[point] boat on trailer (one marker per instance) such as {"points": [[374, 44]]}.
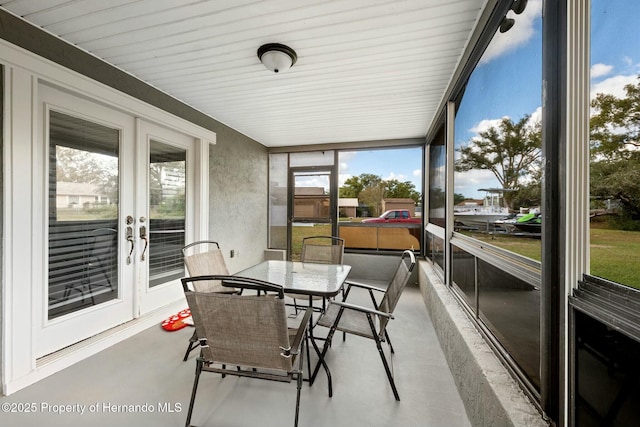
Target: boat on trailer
{"points": [[475, 215]]}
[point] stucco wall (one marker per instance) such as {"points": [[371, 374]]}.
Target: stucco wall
{"points": [[490, 394], [238, 171]]}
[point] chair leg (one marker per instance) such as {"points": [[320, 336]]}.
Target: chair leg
{"points": [[384, 359], [193, 343], [306, 338], [189, 348], [386, 336], [299, 382], [325, 348], [388, 370], [193, 392]]}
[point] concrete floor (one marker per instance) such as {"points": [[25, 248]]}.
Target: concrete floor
{"points": [[147, 372]]}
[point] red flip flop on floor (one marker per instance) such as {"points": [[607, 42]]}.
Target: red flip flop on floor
{"points": [[177, 321]]}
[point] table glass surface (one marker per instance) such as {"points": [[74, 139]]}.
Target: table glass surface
{"points": [[300, 277]]}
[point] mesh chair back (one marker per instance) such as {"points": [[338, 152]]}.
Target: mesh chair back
{"points": [[322, 250], [395, 288], [242, 330], [206, 263]]}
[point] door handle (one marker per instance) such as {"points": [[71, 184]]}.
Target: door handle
{"points": [[143, 236], [132, 243]]}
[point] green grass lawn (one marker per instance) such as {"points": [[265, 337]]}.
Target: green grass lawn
{"points": [[298, 233], [615, 254]]}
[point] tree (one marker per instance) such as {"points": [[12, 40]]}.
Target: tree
{"points": [[615, 145], [458, 198], [354, 185], [615, 124], [618, 180], [371, 189], [372, 196], [511, 151], [401, 190], [80, 166]]}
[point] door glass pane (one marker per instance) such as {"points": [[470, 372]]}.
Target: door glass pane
{"points": [[278, 201], [167, 201], [83, 214], [311, 195], [311, 207]]}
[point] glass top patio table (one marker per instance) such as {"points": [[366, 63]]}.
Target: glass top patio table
{"points": [[324, 280]]}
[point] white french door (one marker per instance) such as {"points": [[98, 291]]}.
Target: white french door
{"points": [[119, 206], [166, 177]]}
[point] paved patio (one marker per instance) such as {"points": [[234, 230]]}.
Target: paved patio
{"points": [[143, 381]]}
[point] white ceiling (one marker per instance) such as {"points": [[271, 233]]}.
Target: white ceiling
{"points": [[367, 69]]}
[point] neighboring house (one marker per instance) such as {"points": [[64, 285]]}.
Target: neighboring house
{"points": [[348, 207], [78, 194], [311, 202], [391, 204]]}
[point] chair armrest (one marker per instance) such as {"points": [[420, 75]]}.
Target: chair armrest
{"points": [[362, 309], [304, 324], [364, 286]]}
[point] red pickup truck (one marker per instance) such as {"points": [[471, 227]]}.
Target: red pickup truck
{"points": [[395, 215]]}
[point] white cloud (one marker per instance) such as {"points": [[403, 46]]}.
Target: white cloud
{"points": [[342, 178], [518, 35], [599, 70], [613, 85], [312, 181], [468, 183], [393, 175], [346, 156], [486, 124], [417, 173], [536, 116]]}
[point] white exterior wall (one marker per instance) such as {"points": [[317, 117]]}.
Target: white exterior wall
{"points": [[237, 160]]}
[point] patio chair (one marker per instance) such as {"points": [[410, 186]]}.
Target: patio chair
{"points": [[246, 332], [208, 262], [365, 321], [320, 250], [99, 266], [204, 263]]}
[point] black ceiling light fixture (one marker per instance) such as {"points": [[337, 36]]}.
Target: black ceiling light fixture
{"points": [[506, 24], [518, 6], [277, 57]]}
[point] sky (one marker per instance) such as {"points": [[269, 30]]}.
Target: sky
{"points": [[402, 164], [406, 165], [615, 49], [515, 57], [508, 83]]}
